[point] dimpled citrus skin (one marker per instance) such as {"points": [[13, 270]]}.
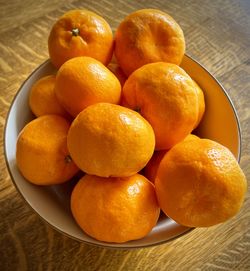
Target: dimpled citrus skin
{"points": [[42, 98], [147, 36], [41, 151], [201, 184], [83, 81], [80, 33], [110, 140], [165, 95], [115, 209], [150, 171]]}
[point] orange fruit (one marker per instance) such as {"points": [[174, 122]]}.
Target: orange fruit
{"points": [[115, 209], [150, 171], [201, 104], [165, 95], [147, 36], [201, 184], [151, 168], [82, 81], [42, 98], [117, 71], [110, 140], [41, 151], [191, 137], [80, 33]]}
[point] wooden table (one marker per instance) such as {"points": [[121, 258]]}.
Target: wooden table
{"points": [[217, 34]]}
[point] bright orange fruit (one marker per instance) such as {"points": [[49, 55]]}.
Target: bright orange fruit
{"points": [[110, 140], [166, 96], [80, 33], [201, 184], [115, 209], [41, 151], [42, 98], [147, 36], [82, 81]]}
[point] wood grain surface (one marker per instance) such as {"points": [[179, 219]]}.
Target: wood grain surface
{"points": [[218, 35]]}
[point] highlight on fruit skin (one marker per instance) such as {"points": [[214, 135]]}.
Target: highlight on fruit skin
{"points": [[80, 33], [147, 36], [201, 184], [115, 209], [42, 156], [110, 140]]}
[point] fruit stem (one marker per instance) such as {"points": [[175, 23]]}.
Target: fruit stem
{"points": [[75, 32], [68, 159]]}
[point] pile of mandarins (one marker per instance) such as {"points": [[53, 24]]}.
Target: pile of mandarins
{"points": [[122, 111]]}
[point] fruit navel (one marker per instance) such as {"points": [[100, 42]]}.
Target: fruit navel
{"points": [[68, 159], [75, 32]]}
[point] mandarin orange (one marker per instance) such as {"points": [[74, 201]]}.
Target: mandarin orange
{"points": [[166, 96], [42, 98], [201, 184], [115, 209], [82, 81], [146, 36], [80, 33], [110, 140], [41, 151]]}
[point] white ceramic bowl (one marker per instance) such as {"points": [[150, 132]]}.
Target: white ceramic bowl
{"points": [[51, 203]]}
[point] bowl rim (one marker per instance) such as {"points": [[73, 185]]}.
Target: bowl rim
{"points": [[109, 245]]}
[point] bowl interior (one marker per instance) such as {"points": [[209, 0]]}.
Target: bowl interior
{"points": [[219, 123]]}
